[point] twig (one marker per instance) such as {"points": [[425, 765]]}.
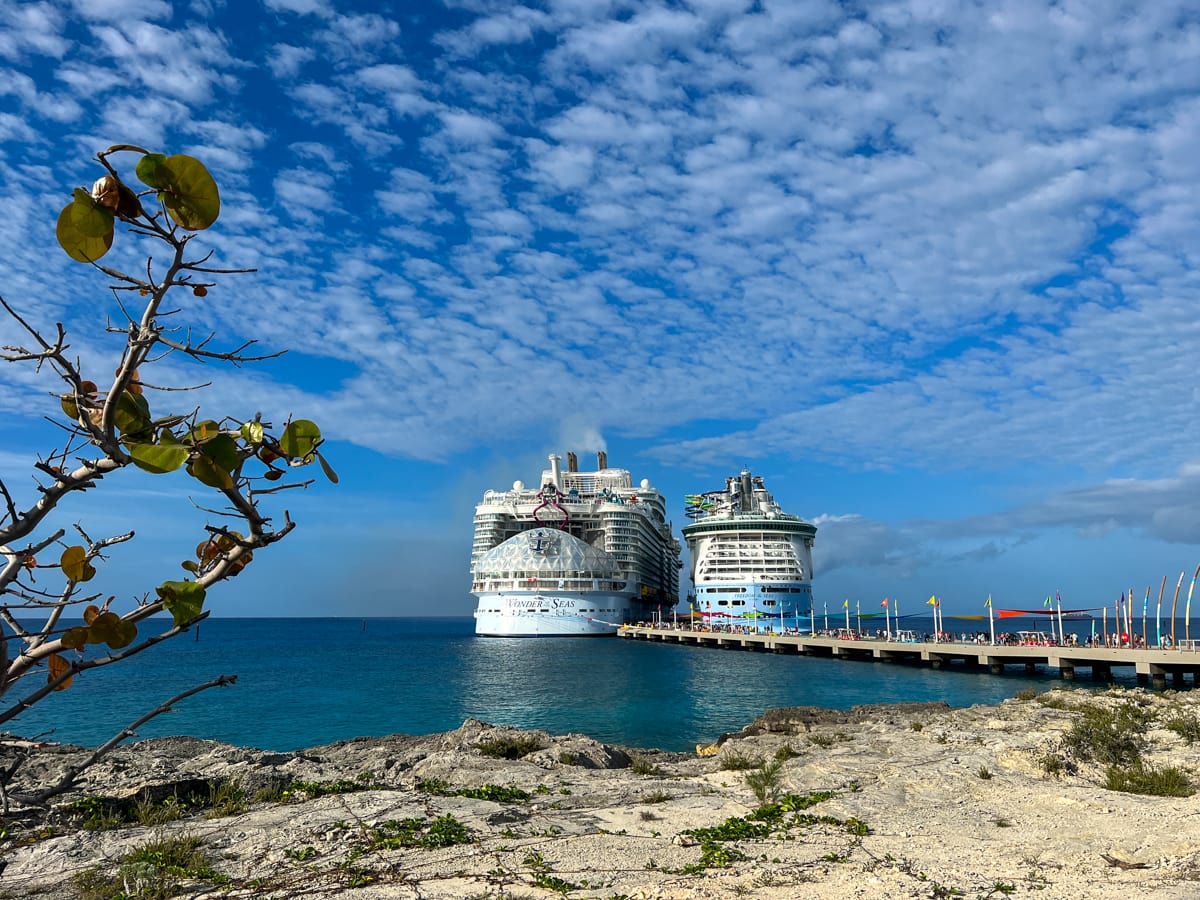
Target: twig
{"points": [[128, 731]]}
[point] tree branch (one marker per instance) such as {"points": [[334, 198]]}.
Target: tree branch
{"points": [[128, 731]]}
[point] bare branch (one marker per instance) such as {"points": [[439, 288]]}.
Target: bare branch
{"points": [[128, 731]]}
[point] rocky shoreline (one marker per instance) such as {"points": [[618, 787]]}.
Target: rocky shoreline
{"points": [[907, 800]]}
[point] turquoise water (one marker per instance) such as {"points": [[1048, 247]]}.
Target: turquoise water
{"points": [[303, 682]]}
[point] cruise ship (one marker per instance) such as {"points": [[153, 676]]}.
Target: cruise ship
{"points": [[751, 561], [579, 555]]}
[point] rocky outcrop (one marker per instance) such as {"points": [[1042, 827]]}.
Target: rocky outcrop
{"points": [[909, 800]]}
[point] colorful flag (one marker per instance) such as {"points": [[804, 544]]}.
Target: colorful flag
{"points": [[1048, 601], [932, 601], [846, 604], [884, 603], [989, 601]]}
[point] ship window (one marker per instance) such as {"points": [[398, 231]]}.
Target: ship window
{"points": [[722, 603]]}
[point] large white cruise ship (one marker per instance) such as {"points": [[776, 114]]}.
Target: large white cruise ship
{"points": [[751, 561], [581, 554]]}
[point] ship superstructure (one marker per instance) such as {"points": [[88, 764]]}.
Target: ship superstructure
{"points": [[751, 561], [580, 554]]}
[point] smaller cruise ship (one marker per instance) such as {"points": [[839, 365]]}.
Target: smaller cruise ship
{"points": [[751, 561]]}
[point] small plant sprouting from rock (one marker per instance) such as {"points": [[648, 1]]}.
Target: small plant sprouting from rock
{"points": [[641, 765], [494, 792], [764, 781], [786, 752], [738, 762], [1187, 726], [984, 773], [153, 870]]}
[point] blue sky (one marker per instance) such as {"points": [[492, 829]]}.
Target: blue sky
{"points": [[930, 268]]}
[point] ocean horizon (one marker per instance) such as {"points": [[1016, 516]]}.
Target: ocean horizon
{"points": [[305, 682]]}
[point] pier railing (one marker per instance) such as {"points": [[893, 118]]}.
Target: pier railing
{"points": [[1151, 664]]}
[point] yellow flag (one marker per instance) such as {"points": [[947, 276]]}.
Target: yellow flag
{"points": [[846, 604], [932, 601], [989, 601]]}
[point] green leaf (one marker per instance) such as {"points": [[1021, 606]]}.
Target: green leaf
{"points": [[185, 188], [299, 439], [222, 450], [205, 470], [252, 433], [158, 459], [85, 229], [203, 431], [148, 170], [75, 638], [123, 635], [326, 467], [132, 416], [184, 600], [75, 565]]}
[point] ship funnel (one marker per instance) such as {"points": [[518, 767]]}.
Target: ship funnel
{"points": [[572, 462], [601, 460], [747, 491], [556, 470]]}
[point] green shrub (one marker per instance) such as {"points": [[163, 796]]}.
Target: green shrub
{"points": [[514, 747], [640, 765], [786, 752], [738, 762], [1025, 694], [1143, 779], [1109, 736], [1187, 726]]}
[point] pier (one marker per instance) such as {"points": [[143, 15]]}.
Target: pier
{"points": [[1152, 665]]}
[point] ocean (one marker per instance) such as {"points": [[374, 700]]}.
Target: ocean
{"points": [[305, 682]]}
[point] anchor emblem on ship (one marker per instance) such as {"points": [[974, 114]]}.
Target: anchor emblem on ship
{"points": [[543, 543]]}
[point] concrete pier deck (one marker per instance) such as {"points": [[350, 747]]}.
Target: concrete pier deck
{"points": [[1152, 665]]}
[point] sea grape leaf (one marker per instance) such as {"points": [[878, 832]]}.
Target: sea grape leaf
{"points": [[148, 168], [58, 667], [185, 188], [91, 613], [132, 416], [205, 470], [326, 467], [223, 450], [299, 438], [156, 458], [75, 638], [184, 600], [126, 632], [111, 629], [70, 407], [84, 229], [252, 433], [203, 431], [215, 461], [75, 565]]}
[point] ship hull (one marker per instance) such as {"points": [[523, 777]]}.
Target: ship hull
{"points": [[557, 614]]}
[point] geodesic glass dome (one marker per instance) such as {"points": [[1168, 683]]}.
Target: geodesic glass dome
{"points": [[546, 552]]}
